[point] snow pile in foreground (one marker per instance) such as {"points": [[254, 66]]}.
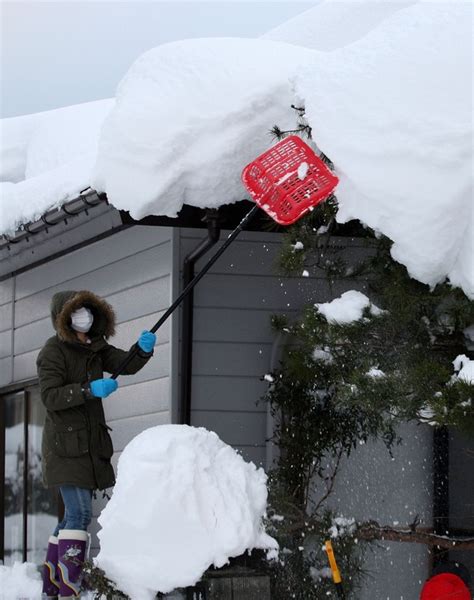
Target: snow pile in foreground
{"points": [[184, 500], [349, 307], [21, 580]]}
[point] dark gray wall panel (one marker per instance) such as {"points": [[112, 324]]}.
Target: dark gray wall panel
{"points": [[232, 325], [266, 292], [213, 358], [255, 454], [234, 428], [461, 464], [228, 393]]}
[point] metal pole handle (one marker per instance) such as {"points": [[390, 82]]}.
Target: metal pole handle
{"points": [[190, 286]]}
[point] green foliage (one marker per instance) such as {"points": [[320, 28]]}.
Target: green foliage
{"points": [[342, 384], [96, 580], [302, 571]]}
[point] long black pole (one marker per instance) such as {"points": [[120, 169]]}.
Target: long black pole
{"points": [[190, 286]]}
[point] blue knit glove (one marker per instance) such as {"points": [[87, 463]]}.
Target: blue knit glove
{"points": [[103, 387], [147, 341]]}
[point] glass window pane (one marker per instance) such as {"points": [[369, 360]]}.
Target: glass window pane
{"points": [[42, 505], [13, 487]]}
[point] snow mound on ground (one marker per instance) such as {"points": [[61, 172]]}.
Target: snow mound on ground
{"points": [[394, 113], [21, 580], [189, 116], [349, 307], [184, 500]]}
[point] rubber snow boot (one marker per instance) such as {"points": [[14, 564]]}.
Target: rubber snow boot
{"points": [[71, 554], [50, 570]]}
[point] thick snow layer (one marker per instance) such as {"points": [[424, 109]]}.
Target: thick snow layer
{"points": [[394, 113], [347, 308], [20, 581], [47, 159], [183, 501], [334, 23], [189, 116], [387, 90]]}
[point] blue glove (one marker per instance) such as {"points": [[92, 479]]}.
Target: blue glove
{"points": [[147, 341], [103, 387]]}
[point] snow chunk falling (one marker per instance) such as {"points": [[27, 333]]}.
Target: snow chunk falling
{"points": [[204, 504], [347, 308]]}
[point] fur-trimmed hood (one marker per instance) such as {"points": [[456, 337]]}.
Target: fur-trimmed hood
{"points": [[63, 304]]}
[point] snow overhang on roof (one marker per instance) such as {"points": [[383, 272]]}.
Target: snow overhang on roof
{"points": [[52, 217]]}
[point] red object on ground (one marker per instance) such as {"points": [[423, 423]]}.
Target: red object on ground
{"points": [[445, 586], [288, 180]]}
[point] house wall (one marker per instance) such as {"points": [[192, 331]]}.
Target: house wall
{"points": [[130, 269], [234, 347]]}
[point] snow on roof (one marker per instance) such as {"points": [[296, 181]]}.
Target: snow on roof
{"points": [[46, 159], [386, 90]]}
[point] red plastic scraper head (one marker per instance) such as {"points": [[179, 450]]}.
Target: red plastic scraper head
{"points": [[288, 180]]}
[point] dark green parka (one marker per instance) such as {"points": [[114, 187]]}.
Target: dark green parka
{"points": [[76, 446]]}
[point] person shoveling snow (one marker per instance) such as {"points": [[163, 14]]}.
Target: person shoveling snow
{"points": [[184, 500]]}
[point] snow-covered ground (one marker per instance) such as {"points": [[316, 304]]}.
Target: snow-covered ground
{"points": [[189, 115]]}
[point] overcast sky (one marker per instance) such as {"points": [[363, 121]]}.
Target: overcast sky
{"points": [[60, 53]]}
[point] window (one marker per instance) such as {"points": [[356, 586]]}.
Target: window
{"points": [[29, 510]]}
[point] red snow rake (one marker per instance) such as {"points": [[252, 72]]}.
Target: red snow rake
{"points": [[286, 181]]}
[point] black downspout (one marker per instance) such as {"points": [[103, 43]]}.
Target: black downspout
{"points": [[186, 360], [440, 489]]}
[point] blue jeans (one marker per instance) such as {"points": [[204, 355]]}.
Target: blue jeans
{"points": [[78, 508]]}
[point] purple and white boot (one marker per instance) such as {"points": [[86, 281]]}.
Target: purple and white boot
{"points": [[71, 554], [50, 570]]}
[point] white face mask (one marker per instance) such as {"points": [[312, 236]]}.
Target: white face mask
{"points": [[82, 319]]}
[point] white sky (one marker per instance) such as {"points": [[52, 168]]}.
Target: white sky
{"points": [[60, 53]]}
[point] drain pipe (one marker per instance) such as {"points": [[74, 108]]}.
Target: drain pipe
{"points": [[187, 314]]}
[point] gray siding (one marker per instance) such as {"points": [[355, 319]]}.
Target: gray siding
{"points": [[132, 270], [234, 345]]}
